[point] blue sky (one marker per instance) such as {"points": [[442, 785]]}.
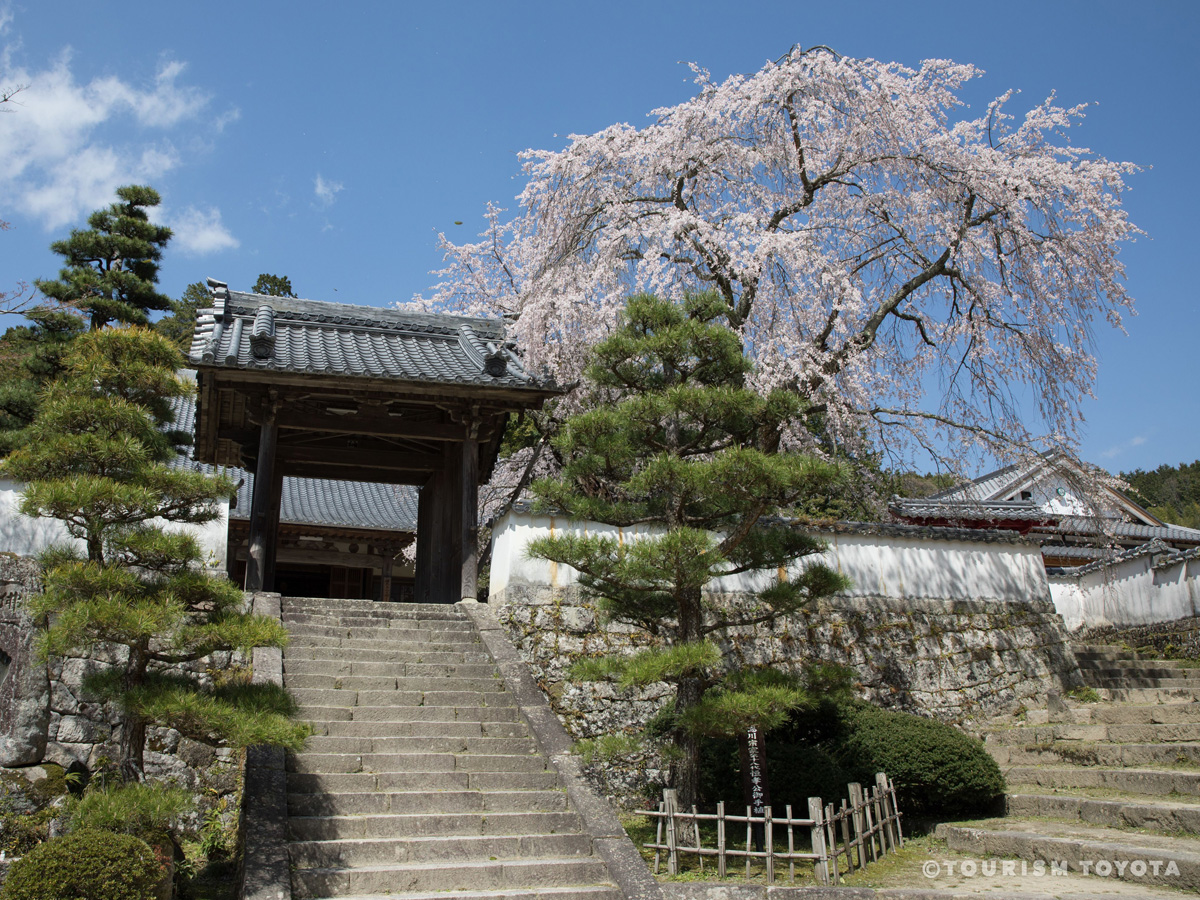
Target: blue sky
{"points": [[332, 143]]}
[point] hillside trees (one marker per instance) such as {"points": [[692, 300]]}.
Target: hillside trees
{"points": [[112, 268], [1170, 492], [273, 285], [921, 275], [676, 447], [99, 459]]}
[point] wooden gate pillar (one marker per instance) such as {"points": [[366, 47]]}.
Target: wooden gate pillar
{"points": [[427, 499], [469, 527], [263, 518]]}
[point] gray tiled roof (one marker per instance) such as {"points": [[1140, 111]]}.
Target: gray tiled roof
{"points": [[882, 529], [250, 331], [1126, 530], [994, 485], [313, 501], [336, 504], [967, 510]]}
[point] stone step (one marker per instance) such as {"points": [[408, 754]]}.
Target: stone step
{"points": [[569, 892], [342, 667], [464, 875], [377, 618], [418, 697], [401, 629], [430, 729], [1139, 714], [1129, 856], [1106, 652], [402, 641], [392, 782], [429, 712], [1134, 734], [1145, 695], [1126, 756], [392, 683], [374, 803], [418, 744], [1116, 813], [1131, 682], [428, 824], [1147, 782], [407, 610], [333, 763], [431, 654], [1146, 668], [409, 850]]}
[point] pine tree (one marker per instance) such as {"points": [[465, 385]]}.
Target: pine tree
{"points": [[273, 286], [99, 460], [112, 268], [31, 356], [181, 324], [676, 442]]}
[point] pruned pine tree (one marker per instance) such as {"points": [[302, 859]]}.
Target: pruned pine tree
{"points": [[111, 269], [676, 443], [98, 460]]}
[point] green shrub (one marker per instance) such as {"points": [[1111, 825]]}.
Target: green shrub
{"points": [[86, 865], [795, 772], [937, 769], [20, 832], [144, 810]]}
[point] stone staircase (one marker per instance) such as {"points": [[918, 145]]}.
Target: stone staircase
{"points": [[1113, 784], [421, 780]]}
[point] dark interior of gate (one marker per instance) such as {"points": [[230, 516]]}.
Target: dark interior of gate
{"points": [[310, 390]]}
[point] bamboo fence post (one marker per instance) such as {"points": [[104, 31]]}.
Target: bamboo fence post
{"points": [[672, 804], [885, 835], [768, 841], [721, 838], [749, 830], [831, 843], [696, 828], [845, 822], [871, 827], [896, 810], [820, 865], [881, 788], [791, 846], [856, 812], [658, 836]]}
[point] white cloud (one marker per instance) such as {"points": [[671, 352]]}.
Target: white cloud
{"points": [[1119, 449], [66, 146], [200, 231], [326, 191]]}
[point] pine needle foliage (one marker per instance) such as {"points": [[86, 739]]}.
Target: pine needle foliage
{"points": [[100, 462], [112, 268], [679, 449]]}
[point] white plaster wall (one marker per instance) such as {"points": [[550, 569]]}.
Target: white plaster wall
{"points": [[878, 565], [21, 534], [1130, 592], [26, 536]]}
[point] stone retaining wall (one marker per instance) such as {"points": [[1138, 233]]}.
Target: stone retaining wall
{"points": [[958, 661], [45, 715]]}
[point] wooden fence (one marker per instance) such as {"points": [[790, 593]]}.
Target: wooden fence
{"points": [[865, 827]]}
